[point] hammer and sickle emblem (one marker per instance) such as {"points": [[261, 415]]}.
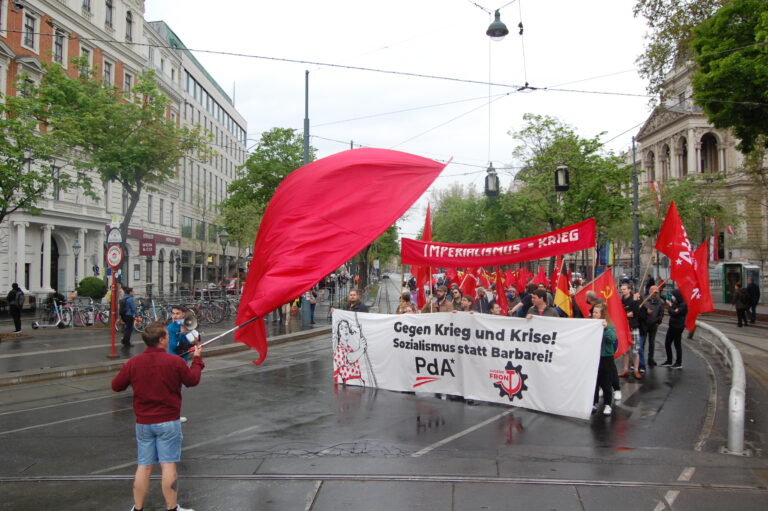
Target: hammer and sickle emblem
{"points": [[607, 292]]}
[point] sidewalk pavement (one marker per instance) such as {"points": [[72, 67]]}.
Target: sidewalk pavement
{"points": [[46, 354]]}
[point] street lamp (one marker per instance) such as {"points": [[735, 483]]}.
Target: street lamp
{"points": [[76, 250], [562, 179], [491, 182], [223, 239], [497, 30]]}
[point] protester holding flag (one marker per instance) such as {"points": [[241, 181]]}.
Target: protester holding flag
{"points": [[607, 366], [678, 310], [631, 307], [526, 302], [651, 315], [440, 303]]}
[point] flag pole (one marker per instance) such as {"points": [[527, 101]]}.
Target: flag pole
{"points": [[191, 350], [647, 269]]}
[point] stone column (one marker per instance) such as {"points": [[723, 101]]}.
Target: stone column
{"points": [[80, 259], [100, 252], [21, 252], [46, 267]]}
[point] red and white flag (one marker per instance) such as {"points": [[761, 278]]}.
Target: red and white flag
{"points": [[702, 301], [605, 288], [674, 243], [316, 221], [729, 230]]}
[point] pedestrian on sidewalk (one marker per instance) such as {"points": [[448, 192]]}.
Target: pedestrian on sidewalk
{"points": [[15, 303], [651, 315], [754, 299], [678, 310], [128, 315], [156, 377], [631, 303], [741, 301]]}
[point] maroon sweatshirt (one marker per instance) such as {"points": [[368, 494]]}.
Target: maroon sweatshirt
{"points": [[156, 377]]}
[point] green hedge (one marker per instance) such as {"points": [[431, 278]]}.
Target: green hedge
{"points": [[93, 287]]}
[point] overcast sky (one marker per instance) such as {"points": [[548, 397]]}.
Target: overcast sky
{"points": [[589, 45]]}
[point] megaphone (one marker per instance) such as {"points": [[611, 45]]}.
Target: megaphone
{"points": [[190, 321]]}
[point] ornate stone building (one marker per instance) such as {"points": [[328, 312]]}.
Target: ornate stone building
{"points": [[678, 141]]}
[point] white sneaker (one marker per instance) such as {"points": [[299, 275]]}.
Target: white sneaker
{"points": [[617, 396], [607, 410], [179, 508], [183, 420]]}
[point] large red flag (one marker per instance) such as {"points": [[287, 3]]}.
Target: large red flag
{"points": [[555, 273], [702, 301], [469, 282], [673, 242], [605, 287], [423, 274], [316, 221]]}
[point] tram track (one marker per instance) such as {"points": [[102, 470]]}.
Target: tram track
{"points": [[529, 481]]}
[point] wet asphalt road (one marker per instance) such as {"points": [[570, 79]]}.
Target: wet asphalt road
{"points": [[282, 436]]}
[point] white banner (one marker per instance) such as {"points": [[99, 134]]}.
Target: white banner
{"points": [[545, 364]]}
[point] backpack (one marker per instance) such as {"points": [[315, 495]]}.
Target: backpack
{"points": [[121, 306]]}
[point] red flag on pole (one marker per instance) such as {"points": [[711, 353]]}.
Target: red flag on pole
{"points": [[701, 301], [423, 273], [469, 282], [673, 242], [605, 288], [541, 277], [316, 221], [501, 295], [555, 273]]}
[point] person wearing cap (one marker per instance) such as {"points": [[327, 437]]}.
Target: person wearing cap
{"points": [[439, 303], [651, 313]]}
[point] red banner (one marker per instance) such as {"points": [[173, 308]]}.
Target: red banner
{"points": [[573, 238]]}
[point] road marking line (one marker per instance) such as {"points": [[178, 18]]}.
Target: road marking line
{"points": [[458, 435], [48, 352], [63, 421], [312, 496], [55, 404], [669, 498]]}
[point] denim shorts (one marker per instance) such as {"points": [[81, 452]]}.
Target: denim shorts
{"points": [[159, 442]]}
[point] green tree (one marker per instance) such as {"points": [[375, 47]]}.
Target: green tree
{"points": [[279, 152], [731, 76], [93, 287], [599, 181], [128, 138], [27, 154], [457, 215], [670, 24]]}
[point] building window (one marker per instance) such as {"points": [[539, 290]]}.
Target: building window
{"points": [[172, 215], [87, 5], [161, 213], [85, 53], [56, 182], [213, 233], [108, 13], [107, 73], [151, 55], [58, 47], [128, 26], [149, 269], [186, 227], [30, 25], [200, 230], [128, 83], [709, 150], [149, 208]]}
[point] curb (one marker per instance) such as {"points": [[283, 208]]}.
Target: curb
{"points": [[54, 373]]}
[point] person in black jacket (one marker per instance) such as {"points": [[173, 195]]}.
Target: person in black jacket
{"points": [[651, 314], [678, 310], [631, 302], [15, 303], [741, 302], [754, 298]]}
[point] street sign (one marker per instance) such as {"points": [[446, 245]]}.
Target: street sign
{"points": [[114, 256], [114, 236]]}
